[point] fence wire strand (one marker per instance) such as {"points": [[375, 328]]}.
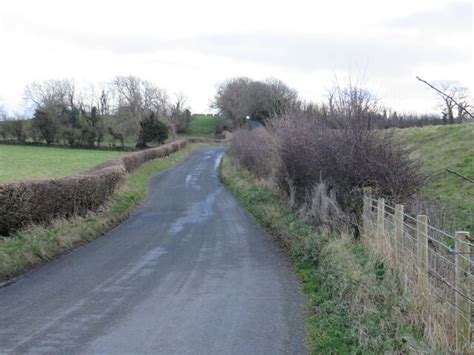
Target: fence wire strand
{"points": [[444, 262]]}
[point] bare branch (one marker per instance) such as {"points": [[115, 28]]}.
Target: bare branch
{"points": [[461, 176], [446, 96]]}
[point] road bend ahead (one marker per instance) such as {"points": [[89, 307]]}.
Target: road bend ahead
{"points": [[189, 273]]}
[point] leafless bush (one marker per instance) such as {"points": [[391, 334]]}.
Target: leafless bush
{"points": [[351, 105], [345, 159], [326, 158], [256, 150]]}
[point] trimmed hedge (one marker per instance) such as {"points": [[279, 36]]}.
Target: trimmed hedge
{"points": [[40, 201]]}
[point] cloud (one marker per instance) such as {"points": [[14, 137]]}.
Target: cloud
{"points": [[300, 45], [382, 55], [454, 17], [386, 54]]}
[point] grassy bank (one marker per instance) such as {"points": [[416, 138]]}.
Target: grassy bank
{"points": [[27, 162], [201, 126], [355, 303], [447, 147], [37, 245]]}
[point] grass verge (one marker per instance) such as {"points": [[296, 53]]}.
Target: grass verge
{"points": [[38, 244], [447, 147], [355, 303]]}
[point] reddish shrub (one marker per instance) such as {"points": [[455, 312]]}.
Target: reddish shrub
{"points": [[346, 159], [256, 150], [39, 201]]}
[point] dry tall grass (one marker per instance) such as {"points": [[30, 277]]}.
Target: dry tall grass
{"points": [[433, 307]]}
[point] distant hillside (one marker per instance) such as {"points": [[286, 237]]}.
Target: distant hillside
{"points": [[447, 147]]}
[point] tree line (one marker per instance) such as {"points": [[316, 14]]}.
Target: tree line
{"points": [[122, 109], [128, 107], [240, 97]]}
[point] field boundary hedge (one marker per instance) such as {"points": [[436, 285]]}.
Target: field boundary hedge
{"points": [[40, 201]]}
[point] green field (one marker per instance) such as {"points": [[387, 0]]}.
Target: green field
{"points": [[447, 147], [29, 162], [202, 126]]}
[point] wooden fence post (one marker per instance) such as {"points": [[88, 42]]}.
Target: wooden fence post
{"points": [[463, 304], [422, 252], [381, 218], [367, 210], [398, 232]]}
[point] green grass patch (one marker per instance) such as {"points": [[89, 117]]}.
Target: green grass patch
{"points": [[354, 301], [202, 126], [28, 162], [452, 147], [38, 244]]}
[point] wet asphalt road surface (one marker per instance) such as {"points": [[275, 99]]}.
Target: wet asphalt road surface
{"points": [[190, 272]]}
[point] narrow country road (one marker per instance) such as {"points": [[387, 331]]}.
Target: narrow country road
{"points": [[190, 272]]}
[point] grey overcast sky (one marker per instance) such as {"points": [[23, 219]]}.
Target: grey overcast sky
{"points": [[191, 46]]}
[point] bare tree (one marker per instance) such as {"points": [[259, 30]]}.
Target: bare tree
{"points": [[96, 95], [18, 127], [232, 100], [4, 126], [87, 96], [51, 94], [352, 105], [129, 96], [180, 101], [129, 92], [281, 97], [240, 97], [56, 104], [136, 98], [180, 117], [104, 103], [454, 94], [3, 113], [155, 99], [454, 98]]}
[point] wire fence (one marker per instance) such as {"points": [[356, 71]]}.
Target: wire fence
{"points": [[436, 266]]}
